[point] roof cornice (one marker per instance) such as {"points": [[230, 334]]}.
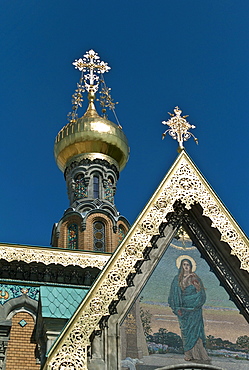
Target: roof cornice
{"points": [[46, 255]]}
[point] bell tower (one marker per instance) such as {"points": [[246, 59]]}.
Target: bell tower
{"points": [[91, 151]]}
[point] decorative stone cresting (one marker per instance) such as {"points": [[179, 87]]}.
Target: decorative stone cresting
{"points": [[48, 256], [184, 183]]}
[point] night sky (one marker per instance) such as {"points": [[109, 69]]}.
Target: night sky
{"points": [[163, 53]]}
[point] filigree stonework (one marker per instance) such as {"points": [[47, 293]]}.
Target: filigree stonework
{"points": [[184, 184], [234, 284], [64, 258]]}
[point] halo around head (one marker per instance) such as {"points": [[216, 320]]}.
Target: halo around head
{"points": [[185, 257]]}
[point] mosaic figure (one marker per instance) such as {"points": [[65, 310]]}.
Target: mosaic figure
{"points": [[186, 298]]}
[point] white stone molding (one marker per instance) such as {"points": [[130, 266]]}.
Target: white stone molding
{"points": [[64, 257]]}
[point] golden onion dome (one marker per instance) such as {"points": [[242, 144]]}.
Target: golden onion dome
{"points": [[91, 136]]}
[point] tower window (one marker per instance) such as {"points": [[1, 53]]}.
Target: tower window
{"points": [[95, 186], [99, 236], [72, 236], [121, 234], [80, 187], [109, 190]]}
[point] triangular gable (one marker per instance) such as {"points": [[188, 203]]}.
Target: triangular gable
{"points": [[183, 183]]}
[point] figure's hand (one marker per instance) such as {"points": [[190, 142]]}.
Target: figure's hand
{"points": [[179, 312]]}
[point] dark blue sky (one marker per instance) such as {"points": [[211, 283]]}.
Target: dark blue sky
{"points": [[163, 53]]}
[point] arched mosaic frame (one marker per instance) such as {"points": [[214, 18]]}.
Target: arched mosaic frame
{"points": [[182, 183]]}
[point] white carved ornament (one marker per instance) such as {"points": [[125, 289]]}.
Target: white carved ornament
{"points": [[91, 64], [47, 256], [182, 183]]}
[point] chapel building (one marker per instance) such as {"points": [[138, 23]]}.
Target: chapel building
{"points": [[82, 303]]}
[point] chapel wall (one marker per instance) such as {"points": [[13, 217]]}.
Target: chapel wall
{"points": [[21, 351]]}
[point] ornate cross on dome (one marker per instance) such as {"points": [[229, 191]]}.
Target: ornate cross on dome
{"points": [[91, 64], [179, 127], [90, 67]]}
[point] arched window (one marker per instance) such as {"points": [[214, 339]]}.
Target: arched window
{"points": [[80, 187], [99, 236], [121, 234], [109, 190], [72, 236], [95, 186]]}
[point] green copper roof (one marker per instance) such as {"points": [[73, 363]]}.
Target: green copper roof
{"points": [[60, 303]]}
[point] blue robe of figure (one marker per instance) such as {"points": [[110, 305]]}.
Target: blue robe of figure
{"points": [[186, 298]]}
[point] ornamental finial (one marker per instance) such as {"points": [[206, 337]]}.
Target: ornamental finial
{"points": [[91, 67], [179, 127]]}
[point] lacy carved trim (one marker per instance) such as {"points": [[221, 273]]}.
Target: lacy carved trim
{"points": [[48, 256], [219, 264], [183, 183]]}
